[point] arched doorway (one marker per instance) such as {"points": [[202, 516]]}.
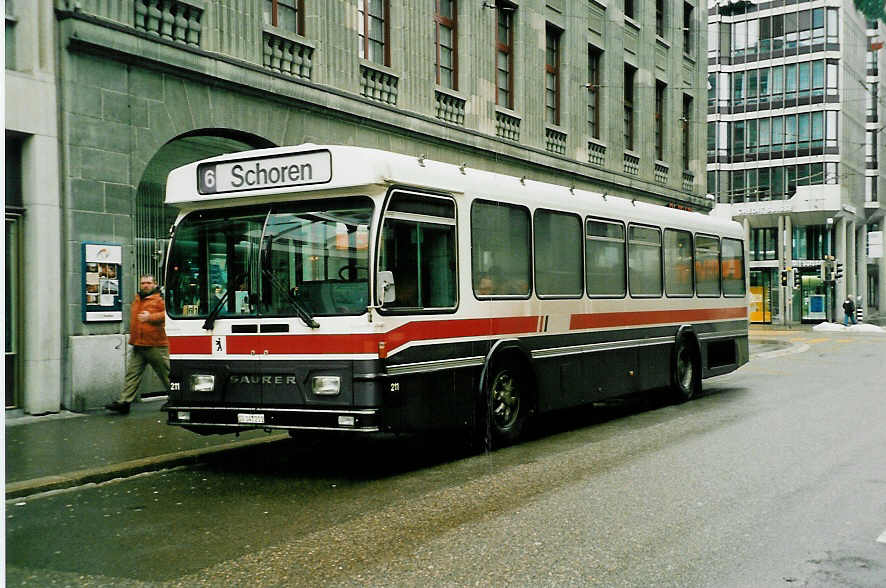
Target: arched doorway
{"points": [[152, 218]]}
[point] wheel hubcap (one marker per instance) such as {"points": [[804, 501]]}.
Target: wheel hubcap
{"points": [[505, 401], [684, 369]]}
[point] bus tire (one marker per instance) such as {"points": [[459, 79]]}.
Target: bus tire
{"points": [[685, 370], [508, 403]]}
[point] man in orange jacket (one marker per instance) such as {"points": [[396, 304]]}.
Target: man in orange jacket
{"points": [[147, 335]]}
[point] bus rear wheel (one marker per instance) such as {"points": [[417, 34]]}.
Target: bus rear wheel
{"points": [[507, 404], [686, 371]]}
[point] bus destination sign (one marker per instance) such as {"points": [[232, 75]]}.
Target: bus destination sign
{"points": [[260, 174]]}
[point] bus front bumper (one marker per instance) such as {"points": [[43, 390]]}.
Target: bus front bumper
{"points": [[222, 419]]}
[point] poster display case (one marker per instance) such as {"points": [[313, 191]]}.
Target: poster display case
{"points": [[102, 275]]}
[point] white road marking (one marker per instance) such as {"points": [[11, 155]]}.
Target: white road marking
{"points": [[882, 538], [802, 348]]}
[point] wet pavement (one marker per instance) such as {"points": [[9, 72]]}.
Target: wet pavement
{"points": [[69, 449], [773, 476]]}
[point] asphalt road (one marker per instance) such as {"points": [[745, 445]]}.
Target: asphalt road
{"points": [[776, 476]]}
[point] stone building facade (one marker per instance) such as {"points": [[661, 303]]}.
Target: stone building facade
{"points": [[604, 96]]}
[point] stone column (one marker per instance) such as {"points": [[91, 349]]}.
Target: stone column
{"points": [[746, 225], [779, 254], [43, 277], [788, 293], [861, 265], [840, 287], [881, 284], [850, 259]]}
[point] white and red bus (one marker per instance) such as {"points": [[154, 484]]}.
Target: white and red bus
{"points": [[343, 288]]}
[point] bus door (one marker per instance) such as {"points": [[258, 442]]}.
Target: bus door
{"points": [[234, 265], [418, 251], [212, 278]]}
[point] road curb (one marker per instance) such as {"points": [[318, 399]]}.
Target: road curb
{"points": [[791, 349], [126, 468]]}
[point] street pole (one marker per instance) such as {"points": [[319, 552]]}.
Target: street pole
{"points": [[830, 287]]}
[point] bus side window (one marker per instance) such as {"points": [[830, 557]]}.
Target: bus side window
{"points": [[558, 263], [500, 246], [707, 265], [678, 262], [732, 267], [418, 247], [605, 255], [644, 261]]}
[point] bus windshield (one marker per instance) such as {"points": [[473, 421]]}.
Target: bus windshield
{"points": [[301, 259]]}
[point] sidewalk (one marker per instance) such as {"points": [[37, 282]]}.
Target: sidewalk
{"points": [[69, 449]]}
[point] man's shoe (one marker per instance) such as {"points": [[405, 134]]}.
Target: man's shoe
{"points": [[120, 407]]}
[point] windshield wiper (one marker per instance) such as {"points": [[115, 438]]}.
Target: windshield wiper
{"points": [[216, 310], [300, 310]]}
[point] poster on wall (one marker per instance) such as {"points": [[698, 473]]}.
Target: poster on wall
{"points": [[101, 270], [816, 307]]}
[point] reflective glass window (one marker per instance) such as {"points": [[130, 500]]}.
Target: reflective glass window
{"points": [[678, 262], [605, 258], [707, 265], [500, 246], [732, 267], [558, 255], [644, 274]]}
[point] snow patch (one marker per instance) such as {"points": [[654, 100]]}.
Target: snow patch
{"points": [[866, 328], [837, 327]]}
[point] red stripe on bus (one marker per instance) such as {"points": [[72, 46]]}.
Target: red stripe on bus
{"points": [[653, 317], [190, 345], [453, 329], [367, 343], [356, 343], [303, 344]]}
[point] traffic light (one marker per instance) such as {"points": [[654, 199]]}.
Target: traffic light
{"points": [[838, 271], [826, 272], [784, 277], [797, 282]]}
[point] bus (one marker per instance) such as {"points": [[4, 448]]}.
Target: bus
{"points": [[338, 288]]}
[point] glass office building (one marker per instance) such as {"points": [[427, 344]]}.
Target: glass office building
{"points": [[792, 148]]}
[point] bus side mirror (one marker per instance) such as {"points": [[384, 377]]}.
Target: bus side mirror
{"points": [[385, 285]]}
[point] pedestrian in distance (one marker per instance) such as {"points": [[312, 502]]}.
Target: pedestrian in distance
{"points": [[848, 312], [147, 338]]}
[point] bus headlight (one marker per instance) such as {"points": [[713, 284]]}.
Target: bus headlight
{"points": [[202, 382], [326, 385]]}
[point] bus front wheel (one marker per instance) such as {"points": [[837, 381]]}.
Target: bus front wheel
{"points": [[686, 371]]}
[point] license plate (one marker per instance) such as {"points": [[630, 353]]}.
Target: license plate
{"points": [[250, 418]]}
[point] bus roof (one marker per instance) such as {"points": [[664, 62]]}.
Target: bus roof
{"points": [[309, 168]]}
